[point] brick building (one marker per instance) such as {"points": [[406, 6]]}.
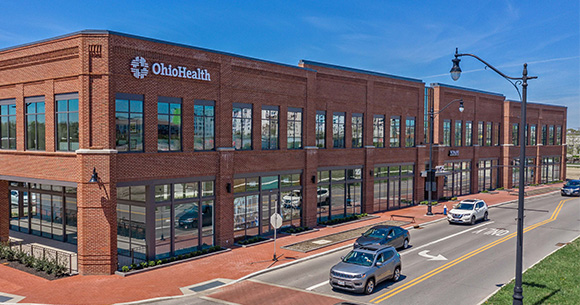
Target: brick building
{"points": [[192, 147]]}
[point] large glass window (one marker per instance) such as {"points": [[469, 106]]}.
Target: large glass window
{"points": [[321, 129], [558, 135], [357, 130], [488, 178], [458, 182], [339, 193], [129, 121], [395, 131], [468, 133], [410, 132], [488, 134], [393, 187], [551, 135], [8, 124], [379, 131], [533, 135], [270, 126], [515, 134], [544, 135], [242, 126], [447, 132], [35, 123], [169, 124], [338, 126], [498, 134], [67, 116], [294, 128], [550, 169], [204, 125], [458, 133]]}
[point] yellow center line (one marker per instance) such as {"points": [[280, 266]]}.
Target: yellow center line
{"points": [[464, 257]]}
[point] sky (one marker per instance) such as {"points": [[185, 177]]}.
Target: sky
{"points": [[415, 39]]}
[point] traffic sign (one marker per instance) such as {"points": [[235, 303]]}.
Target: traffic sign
{"points": [[276, 220]]}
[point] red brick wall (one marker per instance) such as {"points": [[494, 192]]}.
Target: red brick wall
{"points": [[4, 211]]}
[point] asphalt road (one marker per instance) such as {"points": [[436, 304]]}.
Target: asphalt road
{"points": [[479, 258]]}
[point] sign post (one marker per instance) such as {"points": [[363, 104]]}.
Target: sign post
{"points": [[276, 222]]}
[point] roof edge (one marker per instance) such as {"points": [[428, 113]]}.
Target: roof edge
{"points": [[465, 89], [314, 63]]}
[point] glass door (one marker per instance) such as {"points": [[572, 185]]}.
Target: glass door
{"points": [[270, 205]]}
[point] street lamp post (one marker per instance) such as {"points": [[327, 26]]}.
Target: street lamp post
{"points": [[523, 81], [431, 172]]}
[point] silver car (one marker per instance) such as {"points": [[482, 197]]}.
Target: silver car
{"points": [[363, 268]]}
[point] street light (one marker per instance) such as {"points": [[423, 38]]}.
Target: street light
{"points": [[431, 172], [523, 81]]}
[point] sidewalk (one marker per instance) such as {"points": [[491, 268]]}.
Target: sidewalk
{"points": [[232, 265]]}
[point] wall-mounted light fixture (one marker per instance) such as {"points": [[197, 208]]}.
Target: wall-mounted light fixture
{"points": [[229, 187], [313, 179], [94, 177]]}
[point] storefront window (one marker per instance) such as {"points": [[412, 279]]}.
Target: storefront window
{"points": [[458, 182], [339, 193]]}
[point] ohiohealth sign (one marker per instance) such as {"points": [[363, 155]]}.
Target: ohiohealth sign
{"points": [[140, 68]]}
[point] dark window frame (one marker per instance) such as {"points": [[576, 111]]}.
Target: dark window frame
{"points": [[70, 97]]}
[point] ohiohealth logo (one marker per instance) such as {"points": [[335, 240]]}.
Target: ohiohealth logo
{"points": [[139, 67]]}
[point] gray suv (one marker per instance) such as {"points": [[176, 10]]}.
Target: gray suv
{"points": [[363, 268]]}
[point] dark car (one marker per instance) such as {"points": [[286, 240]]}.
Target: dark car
{"points": [[189, 218], [384, 235], [571, 188]]}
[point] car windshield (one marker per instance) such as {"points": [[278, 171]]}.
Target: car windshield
{"points": [[572, 184], [464, 206], [376, 233], [359, 258]]}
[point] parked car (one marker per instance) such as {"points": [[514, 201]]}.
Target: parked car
{"points": [[571, 188], [189, 218], [384, 235], [323, 197], [292, 200], [363, 268], [468, 211]]}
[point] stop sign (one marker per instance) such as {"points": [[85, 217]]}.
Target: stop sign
{"points": [[276, 220]]}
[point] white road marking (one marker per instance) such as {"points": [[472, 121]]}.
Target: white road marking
{"points": [[444, 238], [432, 257], [316, 286], [322, 241]]}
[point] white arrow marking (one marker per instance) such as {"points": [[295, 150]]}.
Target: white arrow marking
{"points": [[431, 257]]}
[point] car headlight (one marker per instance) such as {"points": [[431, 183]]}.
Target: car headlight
{"points": [[360, 276]]}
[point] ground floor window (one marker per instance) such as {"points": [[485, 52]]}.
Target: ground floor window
{"points": [[488, 175], [339, 193], [458, 181], [393, 187], [550, 169], [257, 198], [44, 210], [530, 170]]}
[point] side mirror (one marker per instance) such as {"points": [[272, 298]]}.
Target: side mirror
{"points": [[378, 264], [342, 258]]}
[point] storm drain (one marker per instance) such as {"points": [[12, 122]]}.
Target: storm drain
{"points": [[207, 286]]}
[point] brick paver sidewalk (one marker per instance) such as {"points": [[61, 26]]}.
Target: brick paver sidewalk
{"points": [[229, 265]]}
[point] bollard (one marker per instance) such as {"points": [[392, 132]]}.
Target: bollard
{"points": [[444, 210]]}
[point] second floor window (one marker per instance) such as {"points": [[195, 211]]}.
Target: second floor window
{"points": [[515, 134], [533, 135], [458, 133], [338, 129], [35, 123], [551, 135], [447, 133], [526, 134], [395, 131], [129, 121], [468, 133], [67, 120], [544, 135], [242, 126], [294, 128], [204, 125], [480, 133], [270, 123], [498, 134], [169, 124], [321, 129], [488, 135], [558, 135], [8, 124], [357, 130], [379, 131], [410, 132]]}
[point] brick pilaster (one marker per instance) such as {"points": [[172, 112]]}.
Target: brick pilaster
{"points": [[4, 211]]}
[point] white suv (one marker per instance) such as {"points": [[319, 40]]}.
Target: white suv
{"points": [[468, 211]]}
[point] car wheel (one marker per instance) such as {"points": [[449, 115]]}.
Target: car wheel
{"points": [[406, 244], [472, 220], [485, 217], [396, 274], [370, 286]]}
